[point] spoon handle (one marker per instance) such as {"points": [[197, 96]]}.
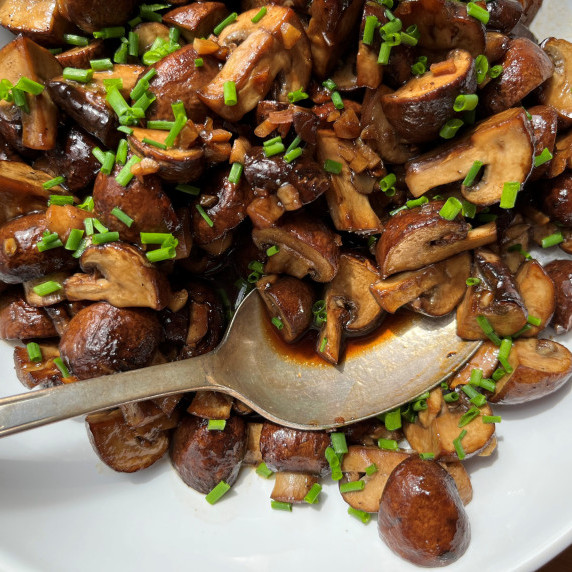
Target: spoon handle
{"points": [[37, 408]]}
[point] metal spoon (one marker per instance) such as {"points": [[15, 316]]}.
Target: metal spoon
{"points": [[410, 358]]}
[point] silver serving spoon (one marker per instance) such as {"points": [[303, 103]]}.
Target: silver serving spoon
{"points": [[411, 356]]}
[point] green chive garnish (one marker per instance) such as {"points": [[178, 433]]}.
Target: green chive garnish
{"points": [[331, 166], [58, 362], [371, 23], [125, 175], [371, 469], [466, 102], [74, 239], [227, 21], [34, 352], [427, 456], [264, 471], [509, 193], [74, 40], [313, 494], [205, 216], [389, 444], [47, 288], [485, 325], [217, 493], [451, 208], [277, 322], [473, 281], [458, 446], [365, 517], [392, 419], [472, 174], [449, 130], [261, 13], [54, 182], [235, 173], [79, 75], [339, 443], [552, 240], [104, 64], [352, 486], [543, 158], [491, 418], [477, 12], [277, 505], [216, 424]]}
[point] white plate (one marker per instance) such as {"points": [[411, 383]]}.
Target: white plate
{"points": [[62, 510]]}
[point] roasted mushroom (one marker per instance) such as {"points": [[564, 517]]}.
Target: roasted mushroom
{"points": [[560, 271], [556, 90]]}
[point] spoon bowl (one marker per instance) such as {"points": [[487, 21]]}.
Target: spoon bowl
{"points": [[408, 358]]}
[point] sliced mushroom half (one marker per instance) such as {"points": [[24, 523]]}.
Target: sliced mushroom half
{"points": [[557, 89], [486, 143]]}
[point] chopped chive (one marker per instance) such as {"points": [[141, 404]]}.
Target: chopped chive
{"points": [[120, 55], [337, 100], [509, 192], [202, 212], [81, 248], [312, 496], [104, 64], [54, 182], [427, 456], [352, 486], [264, 471], [466, 102], [217, 492], [330, 85], [160, 125], [458, 446], [485, 325], [334, 462], [124, 218], [498, 374], [34, 352], [154, 237], [371, 23], [488, 384], [133, 44], [216, 424], [534, 320], [468, 416], [58, 362], [491, 418], [274, 149], [392, 419], [472, 174], [451, 397], [117, 101], [298, 95], [365, 517], [104, 237], [543, 158], [160, 254], [295, 144], [79, 75], [154, 143], [125, 129], [188, 189], [339, 443], [49, 242], [29, 86], [451, 208], [476, 376], [125, 175], [323, 345], [293, 155], [180, 122], [143, 102], [60, 200], [272, 141], [495, 71], [74, 40], [47, 288], [277, 322], [420, 405], [418, 68], [74, 239], [416, 202], [260, 14], [272, 250], [121, 154], [371, 469], [226, 22], [384, 53], [331, 166], [552, 240], [278, 505], [389, 444], [88, 224], [449, 130], [235, 173], [107, 33], [473, 281], [108, 163], [477, 12]]}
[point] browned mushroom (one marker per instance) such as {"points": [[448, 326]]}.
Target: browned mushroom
{"points": [[503, 15], [331, 23], [540, 367], [562, 159], [292, 487], [530, 8], [287, 449], [102, 339], [62, 219], [290, 300], [485, 359], [560, 271], [368, 72], [80, 56], [496, 298], [421, 516], [211, 405], [20, 321], [306, 246], [42, 373], [545, 124], [556, 90], [420, 108], [196, 20], [417, 237], [24, 58], [525, 67], [38, 301], [497, 45], [175, 164], [443, 25], [538, 294], [20, 259], [143, 200], [119, 446], [350, 209], [350, 305], [514, 243], [276, 46], [92, 17], [485, 143], [147, 34], [557, 198], [121, 275], [203, 458]]}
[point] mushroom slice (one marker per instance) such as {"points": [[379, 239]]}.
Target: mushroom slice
{"points": [[331, 24], [80, 56], [350, 305], [399, 289], [91, 17], [62, 219], [369, 73], [420, 108], [485, 359], [38, 374], [503, 15], [211, 405], [545, 125], [196, 20], [496, 298], [22, 191], [24, 58], [42, 301], [21, 321], [510, 129], [118, 445], [417, 237], [444, 297], [525, 67], [40, 20], [121, 275], [443, 25], [540, 367], [292, 487], [306, 246], [562, 159], [276, 46], [379, 133], [175, 164], [350, 210], [514, 242], [560, 271], [557, 91], [538, 293], [290, 300], [530, 8], [444, 429]]}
